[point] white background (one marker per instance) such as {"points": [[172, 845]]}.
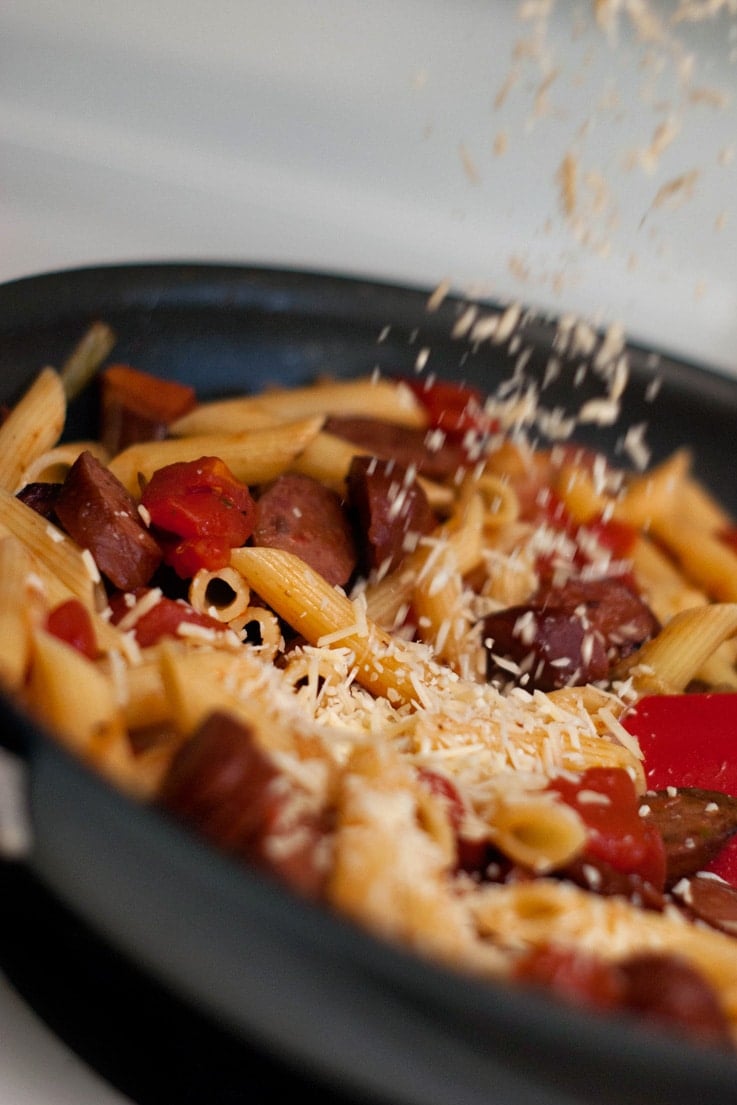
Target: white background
{"points": [[412, 140]]}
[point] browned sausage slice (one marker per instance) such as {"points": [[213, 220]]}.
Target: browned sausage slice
{"points": [[694, 824], [302, 516], [392, 511], [224, 786], [567, 635], [711, 900], [668, 991], [610, 607], [96, 510], [429, 452], [549, 647], [41, 497]]}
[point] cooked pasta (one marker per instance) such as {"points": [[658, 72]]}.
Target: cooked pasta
{"points": [[417, 712]]}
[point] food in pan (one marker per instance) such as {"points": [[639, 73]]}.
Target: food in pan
{"points": [[364, 636]]}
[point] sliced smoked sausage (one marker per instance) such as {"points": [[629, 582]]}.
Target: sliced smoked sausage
{"points": [[302, 516], [429, 452], [98, 513], [392, 511], [225, 786]]}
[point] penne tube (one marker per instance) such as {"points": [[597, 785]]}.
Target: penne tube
{"points": [[17, 600], [444, 619], [33, 425], [89, 721], [704, 559], [668, 591], [638, 502], [501, 503], [328, 458], [461, 537], [253, 457], [199, 683], [701, 508], [368, 397], [371, 396], [647, 498], [325, 616], [538, 832], [88, 354], [144, 700], [261, 628], [63, 559], [53, 466], [224, 416], [667, 663]]}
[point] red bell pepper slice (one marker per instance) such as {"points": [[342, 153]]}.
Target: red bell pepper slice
{"points": [[690, 740], [71, 622], [203, 512]]}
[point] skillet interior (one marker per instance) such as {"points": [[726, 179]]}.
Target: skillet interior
{"points": [[365, 1016]]}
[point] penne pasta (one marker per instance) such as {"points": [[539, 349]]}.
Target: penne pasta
{"points": [[63, 559], [53, 466], [89, 722], [704, 559], [368, 397], [325, 616], [31, 428], [667, 663], [18, 599], [253, 456]]}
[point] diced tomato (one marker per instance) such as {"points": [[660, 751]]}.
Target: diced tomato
{"points": [[71, 621], [607, 802], [158, 399], [471, 854], [442, 787], [201, 513], [202, 510], [189, 555], [137, 406], [164, 619], [618, 537], [197, 498], [455, 408], [690, 740], [550, 508]]}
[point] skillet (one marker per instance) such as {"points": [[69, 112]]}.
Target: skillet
{"points": [[309, 987]]}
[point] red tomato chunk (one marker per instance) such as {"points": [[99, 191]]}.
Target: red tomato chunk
{"points": [[606, 800], [70, 621], [203, 511], [164, 619], [457, 409]]}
